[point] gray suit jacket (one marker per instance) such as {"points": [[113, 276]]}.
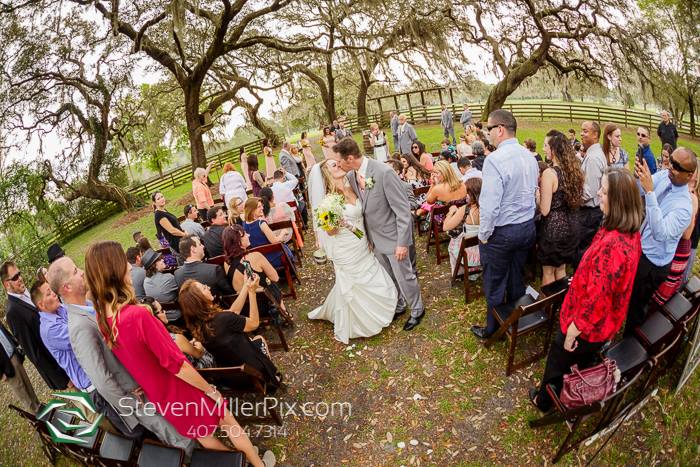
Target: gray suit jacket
{"points": [[387, 215], [289, 164], [406, 138], [112, 380], [446, 119], [394, 125], [138, 274]]}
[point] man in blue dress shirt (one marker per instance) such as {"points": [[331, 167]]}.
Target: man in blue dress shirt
{"points": [[668, 214], [507, 212]]}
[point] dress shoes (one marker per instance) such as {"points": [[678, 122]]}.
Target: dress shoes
{"points": [[480, 332], [413, 322], [397, 315]]}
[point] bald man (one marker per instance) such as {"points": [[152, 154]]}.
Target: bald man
{"points": [[668, 214], [667, 132]]}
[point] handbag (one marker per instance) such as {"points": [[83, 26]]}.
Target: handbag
{"points": [[583, 387]]}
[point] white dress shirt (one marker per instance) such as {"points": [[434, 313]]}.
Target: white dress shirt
{"points": [[232, 184], [284, 191]]}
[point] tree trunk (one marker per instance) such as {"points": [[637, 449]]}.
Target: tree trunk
{"points": [[263, 127], [510, 82], [362, 119], [330, 99], [691, 110], [110, 192], [198, 155]]}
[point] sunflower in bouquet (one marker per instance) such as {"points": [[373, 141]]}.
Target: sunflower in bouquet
{"points": [[329, 215]]}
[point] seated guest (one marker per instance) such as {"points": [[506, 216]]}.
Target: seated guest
{"points": [[138, 273], [256, 177], [167, 226], [54, 335], [413, 172], [663, 163], [669, 212], [463, 222], [235, 216], [260, 234], [159, 285], [478, 151], [212, 239], [445, 187], [232, 184], [283, 188], [274, 212], [23, 320], [145, 348], [107, 374], [190, 224], [422, 156], [464, 149], [224, 332], [193, 268], [197, 355], [466, 170], [594, 308]]}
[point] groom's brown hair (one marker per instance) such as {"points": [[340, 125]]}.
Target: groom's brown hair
{"points": [[347, 147]]}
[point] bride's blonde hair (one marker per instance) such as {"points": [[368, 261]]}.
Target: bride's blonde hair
{"points": [[328, 180]]}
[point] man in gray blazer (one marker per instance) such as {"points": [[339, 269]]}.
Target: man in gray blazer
{"points": [[407, 135], [447, 123], [194, 268], [394, 123], [111, 380], [287, 161], [388, 223], [466, 118]]}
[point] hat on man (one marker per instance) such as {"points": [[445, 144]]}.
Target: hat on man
{"points": [[149, 258], [55, 252], [188, 208]]}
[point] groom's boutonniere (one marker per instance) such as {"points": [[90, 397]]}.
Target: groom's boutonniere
{"points": [[369, 183]]}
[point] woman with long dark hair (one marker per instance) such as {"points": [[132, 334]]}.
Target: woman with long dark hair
{"points": [[425, 158], [167, 225], [147, 351], [612, 146], [558, 197], [257, 180]]}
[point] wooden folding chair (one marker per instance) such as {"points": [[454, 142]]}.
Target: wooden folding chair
{"points": [[297, 217], [421, 190], [463, 263], [298, 252], [209, 457], [523, 317], [48, 447], [154, 454], [266, 321], [434, 232], [242, 380], [218, 260], [287, 266]]}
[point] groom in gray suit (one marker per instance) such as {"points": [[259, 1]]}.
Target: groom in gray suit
{"points": [[387, 218]]}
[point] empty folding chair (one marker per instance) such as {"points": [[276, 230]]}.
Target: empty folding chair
{"points": [[158, 455], [115, 450], [209, 458]]}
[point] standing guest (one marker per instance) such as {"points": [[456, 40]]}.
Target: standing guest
{"points": [[232, 184], [663, 162], [225, 333], [466, 170], [669, 211], [294, 151], [342, 132], [257, 178], [531, 145], [681, 258], [394, 124], [334, 126], [479, 153], [463, 222], [377, 139], [407, 135], [269, 158], [667, 132], [506, 217], [593, 166], [466, 118], [201, 191], [167, 224], [159, 285], [260, 234], [190, 224], [594, 308], [138, 273], [309, 158], [54, 252], [572, 137], [12, 371], [327, 142], [424, 157], [464, 149], [612, 146], [148, 352], [193, 268], [447, 124], [558, 198], [283, 186], [23, 319], [287, 162], [243, 158], [644, 149], [212, 239], [107, 374]]}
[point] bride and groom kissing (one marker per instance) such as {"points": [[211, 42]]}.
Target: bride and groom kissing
{"points": [[375, 280]]}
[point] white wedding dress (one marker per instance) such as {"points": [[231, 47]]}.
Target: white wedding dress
{"points": [[363, 299]]}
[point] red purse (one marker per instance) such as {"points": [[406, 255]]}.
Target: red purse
{"points": [[583, 387]]}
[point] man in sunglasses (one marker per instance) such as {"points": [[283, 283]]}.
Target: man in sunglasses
{"points": [[23, 319], [644, 149], [668, 214]]}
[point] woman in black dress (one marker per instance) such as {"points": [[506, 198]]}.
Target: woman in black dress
{"points": [[167, 224], [558, 198]]}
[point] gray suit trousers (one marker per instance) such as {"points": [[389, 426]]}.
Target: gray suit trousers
{"points": [[406, 283]]}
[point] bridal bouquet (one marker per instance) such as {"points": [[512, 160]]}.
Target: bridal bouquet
{"points": [[329, 215]]}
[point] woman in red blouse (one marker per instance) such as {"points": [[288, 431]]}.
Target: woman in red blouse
{"points": [[596, 303], [142, 344]]}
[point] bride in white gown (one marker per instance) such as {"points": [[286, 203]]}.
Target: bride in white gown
{"points": [[363, 299]]}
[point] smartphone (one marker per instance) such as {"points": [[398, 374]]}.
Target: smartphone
{"points": [[248, 269]]}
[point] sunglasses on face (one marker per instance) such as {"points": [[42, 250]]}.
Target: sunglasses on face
{"points": [[678, 167], [15, 277], [414, 147], [642, 135], [491, 127]]}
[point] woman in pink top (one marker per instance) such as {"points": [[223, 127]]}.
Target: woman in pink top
{"points": [[425, 158], [142, 344], [201, 192], [270, 165]]}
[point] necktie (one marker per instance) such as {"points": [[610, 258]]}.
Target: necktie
{"points": [[361, 182]]}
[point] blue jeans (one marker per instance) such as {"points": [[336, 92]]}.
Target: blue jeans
{"points": [[503, 261]]}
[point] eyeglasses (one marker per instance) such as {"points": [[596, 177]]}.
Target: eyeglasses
{"points": [[15, 277], [642, 135], [491, 127], [414, 147], [678, 167]]}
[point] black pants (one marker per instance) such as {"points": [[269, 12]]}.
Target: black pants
{"points": [[648, 278], [203, 214], [589, 220], [559, 363]]}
